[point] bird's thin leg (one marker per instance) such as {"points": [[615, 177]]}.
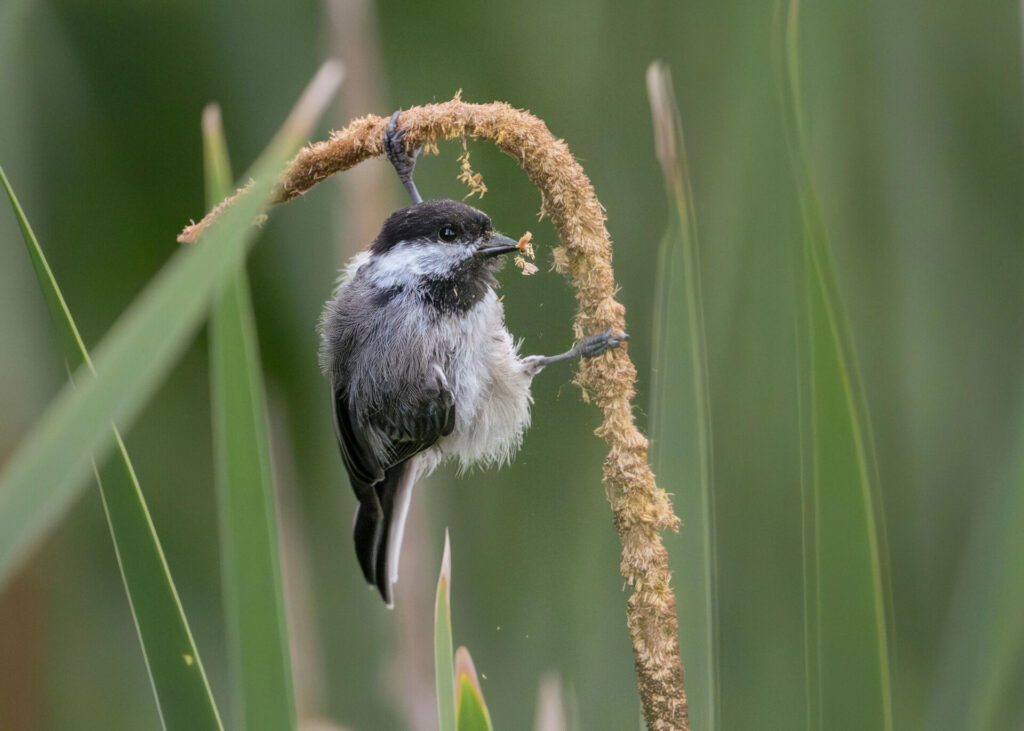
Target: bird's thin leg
{"points": [[403, 161], [589, 347]]}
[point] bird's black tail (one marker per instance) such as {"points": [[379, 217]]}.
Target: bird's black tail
{"points": [[372, 528], [367, 530]]}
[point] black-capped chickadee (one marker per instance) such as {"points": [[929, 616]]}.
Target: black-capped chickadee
{"points": [[422, 368]]}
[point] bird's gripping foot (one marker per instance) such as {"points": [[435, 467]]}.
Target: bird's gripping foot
{"points": [[403, 161], [589, 347]]}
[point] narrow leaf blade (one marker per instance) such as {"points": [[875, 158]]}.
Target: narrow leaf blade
{"points": [[444, 668], [176, 672], [470, 710], [846, 584], [257, 637]]}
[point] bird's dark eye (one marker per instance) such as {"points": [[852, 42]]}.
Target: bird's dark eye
{"points": [[447, 233]]}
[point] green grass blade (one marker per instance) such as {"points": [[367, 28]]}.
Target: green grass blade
{"points": [[980, 658], [849, 614], [470, 710], [176, 672], [444, 667], [39, 481], [681, 413], [72, 347], [257, 637]]}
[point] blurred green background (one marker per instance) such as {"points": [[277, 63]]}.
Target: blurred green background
{"points": [[914, 113]]}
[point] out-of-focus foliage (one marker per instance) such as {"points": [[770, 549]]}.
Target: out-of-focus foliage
{"points": [[47, 471], [680, 413], [175, 667], [914, 127], [847, 628], [257, 639]]}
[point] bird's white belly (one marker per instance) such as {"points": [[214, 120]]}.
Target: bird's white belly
{"points": [[491, 389]]}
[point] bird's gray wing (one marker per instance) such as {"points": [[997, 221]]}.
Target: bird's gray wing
{"points": [[363, 467], [407, 429], [377, 480]]}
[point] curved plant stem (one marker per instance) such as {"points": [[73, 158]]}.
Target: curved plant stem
{"points": [[641, 510]]}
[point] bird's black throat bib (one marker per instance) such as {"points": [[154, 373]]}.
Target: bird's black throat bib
{"points": [[450, 295]]}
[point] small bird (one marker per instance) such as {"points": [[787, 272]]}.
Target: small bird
{"points": [[421, 366]]}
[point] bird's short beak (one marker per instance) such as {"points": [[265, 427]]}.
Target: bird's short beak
{"points": [[496, 246]]}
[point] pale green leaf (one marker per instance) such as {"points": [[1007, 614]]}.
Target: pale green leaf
{"points": [[175, 670], [444, 668], [471, 712], [40, 480], [257, 637]]}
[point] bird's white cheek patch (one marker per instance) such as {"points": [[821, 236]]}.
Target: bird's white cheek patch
{"points": [[408, 261], [397, 266]]}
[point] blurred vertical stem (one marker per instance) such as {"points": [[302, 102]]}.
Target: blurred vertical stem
{"points": [[848, 602], [257, 638], [681, 421], [175, 670]]}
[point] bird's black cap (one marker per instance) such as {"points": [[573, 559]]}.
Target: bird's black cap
{"points": [[428, 219]]}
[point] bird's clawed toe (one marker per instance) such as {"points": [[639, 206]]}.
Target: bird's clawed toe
{"points": [[403, 161], [596, 345]]}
